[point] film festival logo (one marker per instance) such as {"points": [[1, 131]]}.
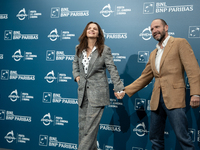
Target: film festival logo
{"points": [[50, 77], [57, 12], [119, 10], [17, 56], [14, 96], [114, 103], [117, 57], [143, 56], [140, 129], [161, 7], [65, 35], [51, 55], [45, 140], [21, 138], [146, 34], [16, 35], [32, 14], [10, 137], [47, 119], [57, 120], [194, 32], [24, 96]]}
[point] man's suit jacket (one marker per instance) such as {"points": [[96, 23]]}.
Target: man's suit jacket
{"points": [[177, 58], [96, 80]]}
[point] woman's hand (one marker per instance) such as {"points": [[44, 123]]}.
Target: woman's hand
{"points": [[77, 78]]}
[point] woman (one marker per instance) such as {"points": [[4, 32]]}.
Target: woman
{"points": [[91, 60]]}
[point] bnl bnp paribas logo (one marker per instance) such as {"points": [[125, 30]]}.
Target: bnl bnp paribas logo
{"points": [[20, 138], [194, 32], [2, 114], [115, 35], [64, 35], [14, 75], [140, 104], [45, 140], [57, 98], [162, 7], [57, 12], [17, 56], [62, 77], [16, 35], [31, 14], [119, 10], [143, 56], [52, 55]]}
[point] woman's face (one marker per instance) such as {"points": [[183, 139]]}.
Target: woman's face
{"points": [[92, 31]]}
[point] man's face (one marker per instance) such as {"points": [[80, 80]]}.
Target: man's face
{"points": [[158, 30]]}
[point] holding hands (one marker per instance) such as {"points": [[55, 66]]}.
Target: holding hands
{"points": [[119, 95]]}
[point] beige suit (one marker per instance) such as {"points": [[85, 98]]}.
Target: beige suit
{"points": [[177, 58]]}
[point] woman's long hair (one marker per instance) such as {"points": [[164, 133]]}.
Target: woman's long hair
{"points": [[83, 40]]}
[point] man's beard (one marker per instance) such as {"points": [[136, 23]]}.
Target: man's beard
{"points": [[162, 36]]}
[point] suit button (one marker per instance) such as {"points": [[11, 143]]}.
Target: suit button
{"points": [[87, 87]]}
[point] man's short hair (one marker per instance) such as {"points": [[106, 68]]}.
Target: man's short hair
{"points": [[163, 21]]}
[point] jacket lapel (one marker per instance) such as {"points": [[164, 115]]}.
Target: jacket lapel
{"points": [[153, 61], [92, 60], [166, 50], [81, 65]]}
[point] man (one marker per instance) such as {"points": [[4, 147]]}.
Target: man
{"points": [[167, 63]]}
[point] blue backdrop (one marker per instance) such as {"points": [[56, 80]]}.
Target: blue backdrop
{"points": [[38, 96]]}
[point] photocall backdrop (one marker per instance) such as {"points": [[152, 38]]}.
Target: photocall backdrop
{"points": [[38, 95]]}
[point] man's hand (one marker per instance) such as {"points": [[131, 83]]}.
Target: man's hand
{"points": [[119, 95], [195, 101]]}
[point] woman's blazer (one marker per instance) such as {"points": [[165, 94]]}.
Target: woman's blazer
{"points": [[95, 83]]}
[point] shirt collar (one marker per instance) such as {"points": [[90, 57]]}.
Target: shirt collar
{"points": [[94, 48], [164, 43]]}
